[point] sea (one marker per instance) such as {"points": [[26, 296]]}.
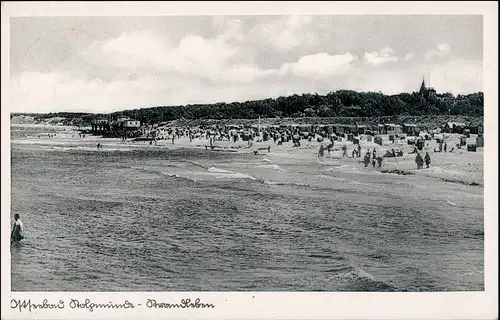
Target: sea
{"points": [[148, 218]]}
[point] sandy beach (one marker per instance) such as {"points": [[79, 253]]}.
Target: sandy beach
{"points": [[458, 165]]}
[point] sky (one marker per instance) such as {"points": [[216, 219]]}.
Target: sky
{"points": [[106, 64]]}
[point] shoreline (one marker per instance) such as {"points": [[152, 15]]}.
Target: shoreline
{"points": [[459, 166]]}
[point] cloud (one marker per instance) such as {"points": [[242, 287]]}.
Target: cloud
{"points": [[233, 30], [146, 52], [285, 34], [381, 57], [457, 76], [198, 55], [441, 51], [211, 58], [131, 50], [319, 65], [409, 56]]}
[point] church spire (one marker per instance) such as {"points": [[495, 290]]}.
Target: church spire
{"points": [[422, 86]]}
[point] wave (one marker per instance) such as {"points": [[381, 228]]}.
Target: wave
{"points": [[272, 166], [357, 279], [63, 147], [188, 175], [217, 170], [196, 164], [229, 174], [332, 178], [279, 183], [169, 174]]}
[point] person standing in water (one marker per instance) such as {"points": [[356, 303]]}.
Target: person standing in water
{"points": [[17, 230]]}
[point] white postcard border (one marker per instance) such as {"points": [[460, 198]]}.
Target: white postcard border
{"points": [[289, 305]]}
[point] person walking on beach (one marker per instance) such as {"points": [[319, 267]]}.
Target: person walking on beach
{"points": [[344, 149], [359, 150], [374, 154], [17, 230], [366, 159], [379, 161], [445, 147], [321, 151], [419, 161], [427, 158]]}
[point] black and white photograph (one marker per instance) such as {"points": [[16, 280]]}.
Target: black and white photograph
{"points": [[247, 153]]}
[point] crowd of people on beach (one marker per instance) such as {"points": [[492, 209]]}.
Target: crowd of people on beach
{"points": [[278, 136], [210, 136], [371, 157]]}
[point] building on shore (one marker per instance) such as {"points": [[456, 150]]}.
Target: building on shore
{"points": [[121, 125], [100, 125], [129, 125]]}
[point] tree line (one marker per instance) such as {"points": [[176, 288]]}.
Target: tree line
{"points": [[342, 103]]}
